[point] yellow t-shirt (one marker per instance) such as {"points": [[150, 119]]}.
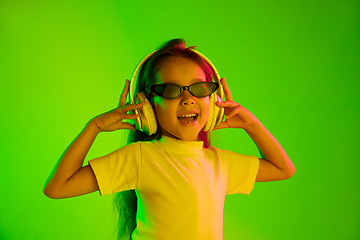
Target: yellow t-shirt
{"points": [[180, 186]]}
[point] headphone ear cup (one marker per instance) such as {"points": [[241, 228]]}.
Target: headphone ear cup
{"points": [[146, 122], [216, 114]]}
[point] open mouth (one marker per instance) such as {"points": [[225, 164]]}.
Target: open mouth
{"points": [[188, 118]]}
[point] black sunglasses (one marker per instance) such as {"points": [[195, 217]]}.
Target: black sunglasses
{"points": [[172, 90]]}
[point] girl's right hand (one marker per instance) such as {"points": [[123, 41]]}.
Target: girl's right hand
{"points": [[113, 120]]}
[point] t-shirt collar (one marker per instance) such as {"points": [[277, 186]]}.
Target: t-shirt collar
{"points": [[180, 146]]}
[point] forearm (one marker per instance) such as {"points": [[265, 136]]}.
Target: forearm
{"points": [[270, 148], [72, 159]]}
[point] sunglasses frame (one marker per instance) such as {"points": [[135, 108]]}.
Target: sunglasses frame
{"points": [[183, 88]]}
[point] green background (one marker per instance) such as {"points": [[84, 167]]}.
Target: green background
{"points": [[293, 64]]}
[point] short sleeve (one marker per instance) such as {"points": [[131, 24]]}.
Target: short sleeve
{"points": [[242, 171], [119, 170]]}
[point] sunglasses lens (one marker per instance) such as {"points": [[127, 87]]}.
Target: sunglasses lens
{"points": [[202, 89], [168, 90], [171, 91]]}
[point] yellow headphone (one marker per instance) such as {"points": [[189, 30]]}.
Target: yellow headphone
{"points": [[146, 122]]}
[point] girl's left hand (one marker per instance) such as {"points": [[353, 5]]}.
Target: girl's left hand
{"points": [[236, 116]]}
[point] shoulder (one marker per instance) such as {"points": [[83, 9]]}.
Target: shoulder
{"points": [[224, 152], [128, 150], [143, 148], [230, 156], [137, 146]]}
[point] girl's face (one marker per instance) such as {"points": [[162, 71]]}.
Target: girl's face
{"points": [[183, 72]]}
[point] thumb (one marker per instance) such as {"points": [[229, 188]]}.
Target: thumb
{"points": [[129, 126], [221, 125]]}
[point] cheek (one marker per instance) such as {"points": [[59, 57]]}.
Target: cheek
{"points": [[161, 108], [205, 110]]}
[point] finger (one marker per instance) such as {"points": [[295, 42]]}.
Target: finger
{"points": [[227, 93], [124, 93], [129, 116], [233, 112], [227, 104], [120, 125], [131, 107]]}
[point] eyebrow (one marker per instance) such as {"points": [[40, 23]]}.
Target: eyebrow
{"points": [[192, 81], [198, 79]]}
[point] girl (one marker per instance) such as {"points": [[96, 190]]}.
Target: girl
{"points": [[171, 184]]}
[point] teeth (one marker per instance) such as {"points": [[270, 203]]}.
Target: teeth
{"points": [[189, 115]]}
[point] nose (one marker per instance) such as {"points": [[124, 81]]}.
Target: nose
{"points": [[186, 98]]}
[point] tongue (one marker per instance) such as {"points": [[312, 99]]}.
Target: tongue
{"points": [[186, 119]]}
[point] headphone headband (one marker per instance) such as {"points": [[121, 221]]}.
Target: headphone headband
{"points": [[132, 80]]}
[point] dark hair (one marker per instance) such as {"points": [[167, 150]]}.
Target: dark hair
{"points": [[126, 201]]}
